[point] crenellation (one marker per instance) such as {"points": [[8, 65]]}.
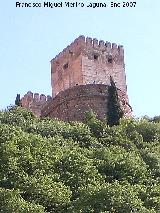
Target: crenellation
{"points": [[108, 46], [102, 45], [80, 40], [36, 96], [89, 42], [114, 49], [114, 46], [49, 98], [121, 50], [95, 43], [30, 94], [42, 97], [35, 102], [81, 44]]}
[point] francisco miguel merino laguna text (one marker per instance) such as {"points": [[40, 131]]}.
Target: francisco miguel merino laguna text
{"points": [[59, 4], [75, 4]]}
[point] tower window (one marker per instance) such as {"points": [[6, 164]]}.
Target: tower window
{"points": [[110, 59], [65, 66], [95, 57], [70, 52]]}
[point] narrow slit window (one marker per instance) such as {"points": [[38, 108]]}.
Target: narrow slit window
{"points": [[95, 57], [65, 66], [70, 52], [110, 59]]}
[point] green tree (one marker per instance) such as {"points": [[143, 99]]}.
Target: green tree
{"points": [[114, 110], [12, 201], [49, 166], [18, 100]]}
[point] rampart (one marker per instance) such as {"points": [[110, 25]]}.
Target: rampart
{"points": [[35, 102], [73, 103]]}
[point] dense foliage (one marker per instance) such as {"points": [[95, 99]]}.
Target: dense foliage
{"points": [[18, 100], [48, 166], [114, 109]]}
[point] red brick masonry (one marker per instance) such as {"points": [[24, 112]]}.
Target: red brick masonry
{"points": [[73, 103]]}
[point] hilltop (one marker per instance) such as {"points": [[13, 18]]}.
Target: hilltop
{"points": [[51, 166]]}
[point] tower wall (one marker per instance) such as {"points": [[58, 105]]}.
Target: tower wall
{"points": [[66, 67], [73, 103], [88, 61], [102, 60], [64, 78]]}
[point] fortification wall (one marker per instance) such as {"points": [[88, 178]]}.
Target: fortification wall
{"points": [[73, 103], [102, 60], [85, 61], [35, 102], [66, 67]]}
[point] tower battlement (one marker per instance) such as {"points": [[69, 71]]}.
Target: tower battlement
{"points": [[83, 43], [35, 102]]}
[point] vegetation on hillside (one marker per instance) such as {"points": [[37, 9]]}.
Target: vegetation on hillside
{"points": [[49, 166]]}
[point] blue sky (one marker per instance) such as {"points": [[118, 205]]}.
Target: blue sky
{"points": [[31, 37]]}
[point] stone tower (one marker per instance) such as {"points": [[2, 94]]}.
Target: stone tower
{"points": [[80, 77], [88, 61]]}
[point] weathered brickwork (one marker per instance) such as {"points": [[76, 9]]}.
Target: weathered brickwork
{"points": [[73, 103], [35, 102], [88, 61], [80, 76]]}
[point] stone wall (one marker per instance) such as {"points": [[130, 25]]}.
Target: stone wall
{"points": [[87, 61], [73, 103], [35, 102]]}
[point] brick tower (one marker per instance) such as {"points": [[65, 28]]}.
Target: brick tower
{"points": [[88, 61], [80, 76]]}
